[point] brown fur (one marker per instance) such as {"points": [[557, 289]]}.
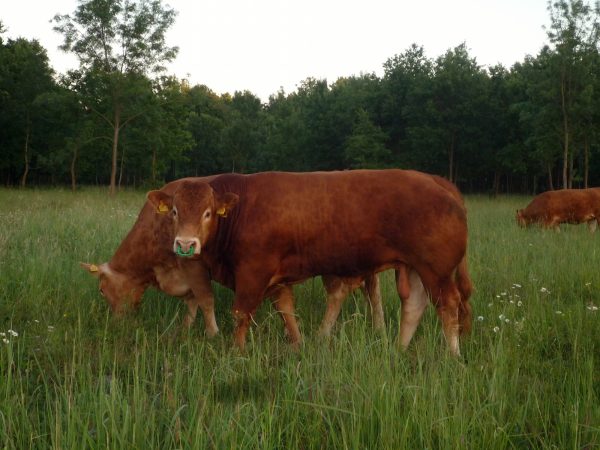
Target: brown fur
{"points": [[550, 209], [288, 227]]}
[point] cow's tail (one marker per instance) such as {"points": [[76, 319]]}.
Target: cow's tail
{"points": [[465, 287]]}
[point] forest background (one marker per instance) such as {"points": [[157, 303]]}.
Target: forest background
{"points": [[120, 120]]}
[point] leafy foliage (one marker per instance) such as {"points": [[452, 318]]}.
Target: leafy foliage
{"points": [[530, 127]]}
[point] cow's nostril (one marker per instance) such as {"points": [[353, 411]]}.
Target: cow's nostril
{"points": [[185, 248]]}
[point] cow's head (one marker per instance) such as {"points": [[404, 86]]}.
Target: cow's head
{"points": [[121, 292], [521, 220], [196, 209]]}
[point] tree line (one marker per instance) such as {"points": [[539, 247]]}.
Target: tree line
{"points": [[119, 120]]}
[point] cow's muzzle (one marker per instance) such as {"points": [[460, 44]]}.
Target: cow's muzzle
{"points": [[186, 247]]}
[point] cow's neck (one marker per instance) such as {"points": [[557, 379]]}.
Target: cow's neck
{"points": [[143, 247]]}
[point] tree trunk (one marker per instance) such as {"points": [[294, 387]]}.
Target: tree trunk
{"points": [[565, 131], [550, 182], [571, 170], [153, 167], [586, 162], [113, 172], [451, 160], [121, 168], [73, 176], [496, 187], [26, 151]]}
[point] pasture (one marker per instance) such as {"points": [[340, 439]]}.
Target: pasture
{"points": [[73, 377]]}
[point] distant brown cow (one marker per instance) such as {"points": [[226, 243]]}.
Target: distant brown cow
{"points": [[145, 258], [283, 228], [551, 208]]}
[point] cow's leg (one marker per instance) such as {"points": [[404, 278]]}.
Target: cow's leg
{"points": [[465, 287], [242, 319], [592, 225], [248, 296], [446, 298], [192, 306], [555, 224], [372, 291], [413, 306], [337, 291], [283, 300], [198, 278]]}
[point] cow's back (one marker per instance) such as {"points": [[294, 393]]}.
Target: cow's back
{"points": [[343, 223]]}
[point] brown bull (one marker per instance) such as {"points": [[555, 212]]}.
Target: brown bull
{"points": [[276, 228], [145, 258], [551, 208]]}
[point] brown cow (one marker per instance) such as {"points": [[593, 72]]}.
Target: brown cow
{"points": [[551, 208], [145, 258], [283, 228]]}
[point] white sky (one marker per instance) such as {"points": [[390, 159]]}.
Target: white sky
{"points": [[262, 45]]}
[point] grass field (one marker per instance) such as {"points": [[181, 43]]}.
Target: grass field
{"points": [[73, 377]]}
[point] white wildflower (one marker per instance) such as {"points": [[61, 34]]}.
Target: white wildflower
{"points": [[6, 341], [589, 283], [50, 328], [480, 318], [503, 294], [2, 334], [516, 285], [558, 312], [496, 329], [13, 333], [592, 307], [519, 303], [544, 290], [501, 317]]}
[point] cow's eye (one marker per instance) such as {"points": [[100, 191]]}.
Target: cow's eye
{"points": [[102, 292], [174, 210], [207, 214]]}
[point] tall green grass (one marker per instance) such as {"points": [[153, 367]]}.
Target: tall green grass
{"points": [[76, 378]]}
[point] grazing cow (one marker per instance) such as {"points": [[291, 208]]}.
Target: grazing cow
{"points": [[551, 208], [283, 228], [145, 258]]}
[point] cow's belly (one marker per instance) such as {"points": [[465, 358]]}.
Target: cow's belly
{"points": [[171, 281], [297, 268]]}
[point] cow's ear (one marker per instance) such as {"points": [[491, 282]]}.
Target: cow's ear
{"points": [[92, 269], [225, 202], [163, 203]]}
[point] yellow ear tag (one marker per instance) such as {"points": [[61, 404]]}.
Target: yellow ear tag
{"points": [[222, 212], [93, 268], [162, 208]]}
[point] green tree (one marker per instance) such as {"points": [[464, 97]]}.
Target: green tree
{"points": [[458, 98], [365, 147], [242, 135], [118, 43], [206, 117], [573, 31], [24, 75], [406, 85]]}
